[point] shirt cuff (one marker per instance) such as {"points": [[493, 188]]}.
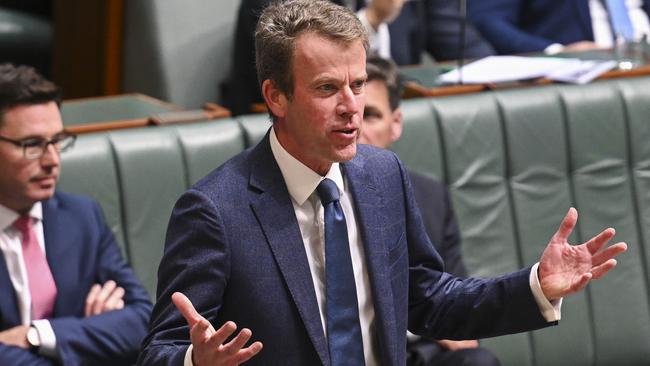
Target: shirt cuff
{"points": [[188, 356], [551, 310], [47, 337], [553, 49]]}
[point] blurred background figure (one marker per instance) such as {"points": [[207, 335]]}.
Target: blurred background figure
{"points": [[382, 125], [26, 33], [434, 27], [519, 26]]}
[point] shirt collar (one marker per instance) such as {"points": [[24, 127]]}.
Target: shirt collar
{"points": [[301, 181], [8, 216]]}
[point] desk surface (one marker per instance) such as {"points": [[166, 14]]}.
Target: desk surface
{"points": [[422, 80], [127, 111], [112, 108]]}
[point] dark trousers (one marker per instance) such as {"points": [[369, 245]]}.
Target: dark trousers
{"points": [[424, 352]]}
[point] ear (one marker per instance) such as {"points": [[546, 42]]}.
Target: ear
{"points": [[275, 99], [396, 125]]}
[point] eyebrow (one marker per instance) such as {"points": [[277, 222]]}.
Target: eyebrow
{"points": [[39, 137]]}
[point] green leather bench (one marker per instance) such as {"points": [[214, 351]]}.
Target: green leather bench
{"points": [[514, 162]]}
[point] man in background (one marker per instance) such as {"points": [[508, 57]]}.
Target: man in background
{"points": [[382, 125], [66, 294], [519, 26]]}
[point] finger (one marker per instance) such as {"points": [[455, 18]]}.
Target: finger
{"points": [[567, 225], [222, 334], [581, 283], [184, 305], [247, 353], [594, 244], [113, 299], [238, 342], [90, 299], [103, 294], [199, 333], [119, 305], [599, 271], [609, 253]]}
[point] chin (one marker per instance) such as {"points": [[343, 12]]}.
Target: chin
{"points": [[346, 154], [41, 195]]}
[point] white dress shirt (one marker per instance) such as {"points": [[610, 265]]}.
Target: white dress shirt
{"points": [[603, 35], [12, 250], [378, 39], [301, 183], [602, 28]]}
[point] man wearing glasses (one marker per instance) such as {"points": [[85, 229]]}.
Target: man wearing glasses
{"points": [[66, 294]]}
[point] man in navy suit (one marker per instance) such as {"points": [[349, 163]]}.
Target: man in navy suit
{"points": [[519, 26], [68, 296], [245, 245], [382, 126]]}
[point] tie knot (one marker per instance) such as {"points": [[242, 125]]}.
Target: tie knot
{"points": [[23, 223], [327, 191]]}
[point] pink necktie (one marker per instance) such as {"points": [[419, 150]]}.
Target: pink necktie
{"points": [[41, 282]]}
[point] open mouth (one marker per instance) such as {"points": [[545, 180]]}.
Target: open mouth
{"points": [[350, 132]]}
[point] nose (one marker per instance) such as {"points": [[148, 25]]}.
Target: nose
{"points": [[51, 157], [348, 104]]}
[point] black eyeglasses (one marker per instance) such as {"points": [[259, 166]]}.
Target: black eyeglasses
{"points": [[35, 147]]}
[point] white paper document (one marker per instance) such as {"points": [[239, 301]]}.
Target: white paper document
{"points": [[500, 69]]}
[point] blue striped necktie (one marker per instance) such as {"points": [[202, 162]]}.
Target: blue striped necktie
{"points": [[343, 328]]}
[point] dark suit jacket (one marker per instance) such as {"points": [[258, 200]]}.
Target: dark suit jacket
{"points": [[439, 221], [433, 26], [81, 251], [518, 26], [234, 248]]}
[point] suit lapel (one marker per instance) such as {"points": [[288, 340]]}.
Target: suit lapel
{"points": [[56, 228], [275, 213], [371, 220], [9, 312]]}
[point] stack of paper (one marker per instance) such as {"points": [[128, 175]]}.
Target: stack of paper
{"points": [[499, 69]]}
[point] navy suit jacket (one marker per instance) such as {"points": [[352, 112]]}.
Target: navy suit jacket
{"points": [[518, 26], [234, 248], [81, 251]]}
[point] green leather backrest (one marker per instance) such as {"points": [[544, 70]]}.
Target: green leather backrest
{"points": [[254, 126], [152, 176], [540, 194], [637, 105], [89, 169], [515, 161], [207, 145], [420, 143], [475, 163], [601, 174]]}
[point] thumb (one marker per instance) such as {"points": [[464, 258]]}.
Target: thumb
{"points": [[184, 305], [566, 227]]}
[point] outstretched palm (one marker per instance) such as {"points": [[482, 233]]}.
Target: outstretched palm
{"points": [[566, 269]]}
